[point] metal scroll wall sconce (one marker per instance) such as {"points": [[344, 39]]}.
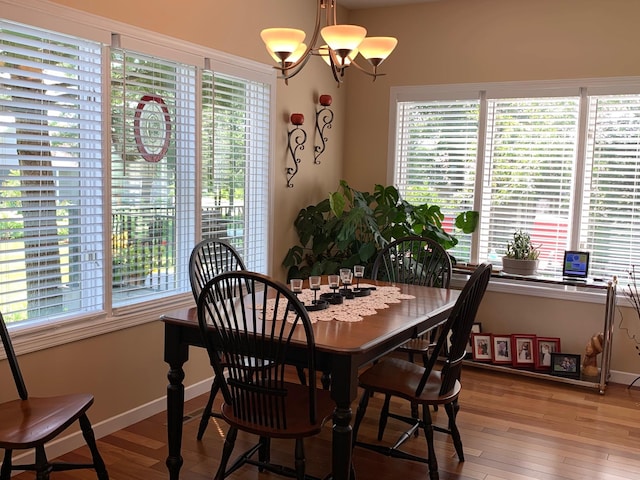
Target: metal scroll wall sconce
{"points": [[297, 139], [324, 118]]}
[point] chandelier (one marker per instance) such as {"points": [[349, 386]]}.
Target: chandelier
{"points": [[342, 45]]}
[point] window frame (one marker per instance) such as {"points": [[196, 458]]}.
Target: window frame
{"points": [[39, 335], [582, 88]]}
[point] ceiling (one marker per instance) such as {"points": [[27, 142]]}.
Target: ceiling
{"points": [[358, 4]]}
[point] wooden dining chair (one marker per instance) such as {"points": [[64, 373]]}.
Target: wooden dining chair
{"points": [[414, 260], [247, 340], [31, 422], [427, 386], [210, 258]]}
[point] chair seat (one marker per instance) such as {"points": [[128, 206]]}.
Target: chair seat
{"points": [[28, 423], [418, 345], [297, 408], [398, 377]]}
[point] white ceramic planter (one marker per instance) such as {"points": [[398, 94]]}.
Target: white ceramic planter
{"points": [[519, 267]]}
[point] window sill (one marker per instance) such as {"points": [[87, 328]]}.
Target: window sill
{"points": [[547, 288], [32, 337]]}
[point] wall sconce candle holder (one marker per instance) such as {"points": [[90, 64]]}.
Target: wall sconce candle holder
{"points": [[324, 118], [297, 139]]}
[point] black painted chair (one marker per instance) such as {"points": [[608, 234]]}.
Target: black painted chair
{"points": [[427, 386], [247, 340], [210, 258], [31, 422], [414, 260]]}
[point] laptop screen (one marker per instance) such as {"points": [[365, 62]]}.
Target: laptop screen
{"points": [[576, 264]]}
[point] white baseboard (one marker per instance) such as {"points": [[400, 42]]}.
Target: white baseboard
{"points": [[625, 378], [70, 442]]}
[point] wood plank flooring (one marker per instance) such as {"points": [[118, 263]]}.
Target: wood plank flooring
{"points": [[513, 428]]}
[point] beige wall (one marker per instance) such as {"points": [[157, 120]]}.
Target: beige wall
{"points": [[469, 41], [440, 42]]}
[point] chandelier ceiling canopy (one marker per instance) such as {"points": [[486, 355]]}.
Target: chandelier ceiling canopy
{"points": [[342, 44]]}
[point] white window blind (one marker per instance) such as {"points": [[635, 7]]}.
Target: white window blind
{"points": [[561, 166], [235, 165], [91, 234], [529, 164], [51, 230], [436, 149], [610, 225], [152, 175]]}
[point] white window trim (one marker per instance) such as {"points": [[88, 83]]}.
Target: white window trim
{"points": [[34, 336], [483, 91]]}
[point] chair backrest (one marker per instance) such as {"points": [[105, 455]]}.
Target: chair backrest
{"points": [[414, 260], [210, 258], [249, 337], [458, 329], [13, 360]]}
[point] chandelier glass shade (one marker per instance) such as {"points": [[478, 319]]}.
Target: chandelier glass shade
{"points": [[343, 43]]}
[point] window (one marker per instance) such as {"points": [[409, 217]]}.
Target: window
{"points": [[152, 157], [51, 205], [235, 175], [530, 152], [558, 159], [610, 222], [436, 159], [86, 233]]}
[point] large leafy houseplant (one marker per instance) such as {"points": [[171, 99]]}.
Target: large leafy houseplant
{"points": [[350, 227]]}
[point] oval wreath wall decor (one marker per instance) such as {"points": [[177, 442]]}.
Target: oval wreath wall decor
{"points": [[152, 128]]}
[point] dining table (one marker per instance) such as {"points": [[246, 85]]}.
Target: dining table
{"points": [[344, 345]]}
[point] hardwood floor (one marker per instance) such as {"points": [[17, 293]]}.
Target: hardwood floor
{"points": [[513, 428]]}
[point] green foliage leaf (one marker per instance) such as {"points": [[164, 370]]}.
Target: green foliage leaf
{"points": [[367, 251], [294, 256], [349, 228], [337, 202], [468, 221]]}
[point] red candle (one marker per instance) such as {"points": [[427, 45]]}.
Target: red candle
{"points": [[325, 100], [297, 118]]}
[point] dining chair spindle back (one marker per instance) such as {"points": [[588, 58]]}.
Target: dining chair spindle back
{"points": [[413, 260], [210, 258], [247, 339]]}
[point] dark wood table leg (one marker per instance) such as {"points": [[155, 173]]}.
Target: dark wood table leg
{"points": [[341, 443], [176, 353], [344, 381]]}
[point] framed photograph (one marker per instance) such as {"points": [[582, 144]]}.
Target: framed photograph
{"points": [[475, 328], [545, 346], [481, 344], [565, 365], [501, 348], [522, 348]]}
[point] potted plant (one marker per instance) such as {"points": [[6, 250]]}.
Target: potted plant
{"points": [[522, 256], [349, 228]]}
